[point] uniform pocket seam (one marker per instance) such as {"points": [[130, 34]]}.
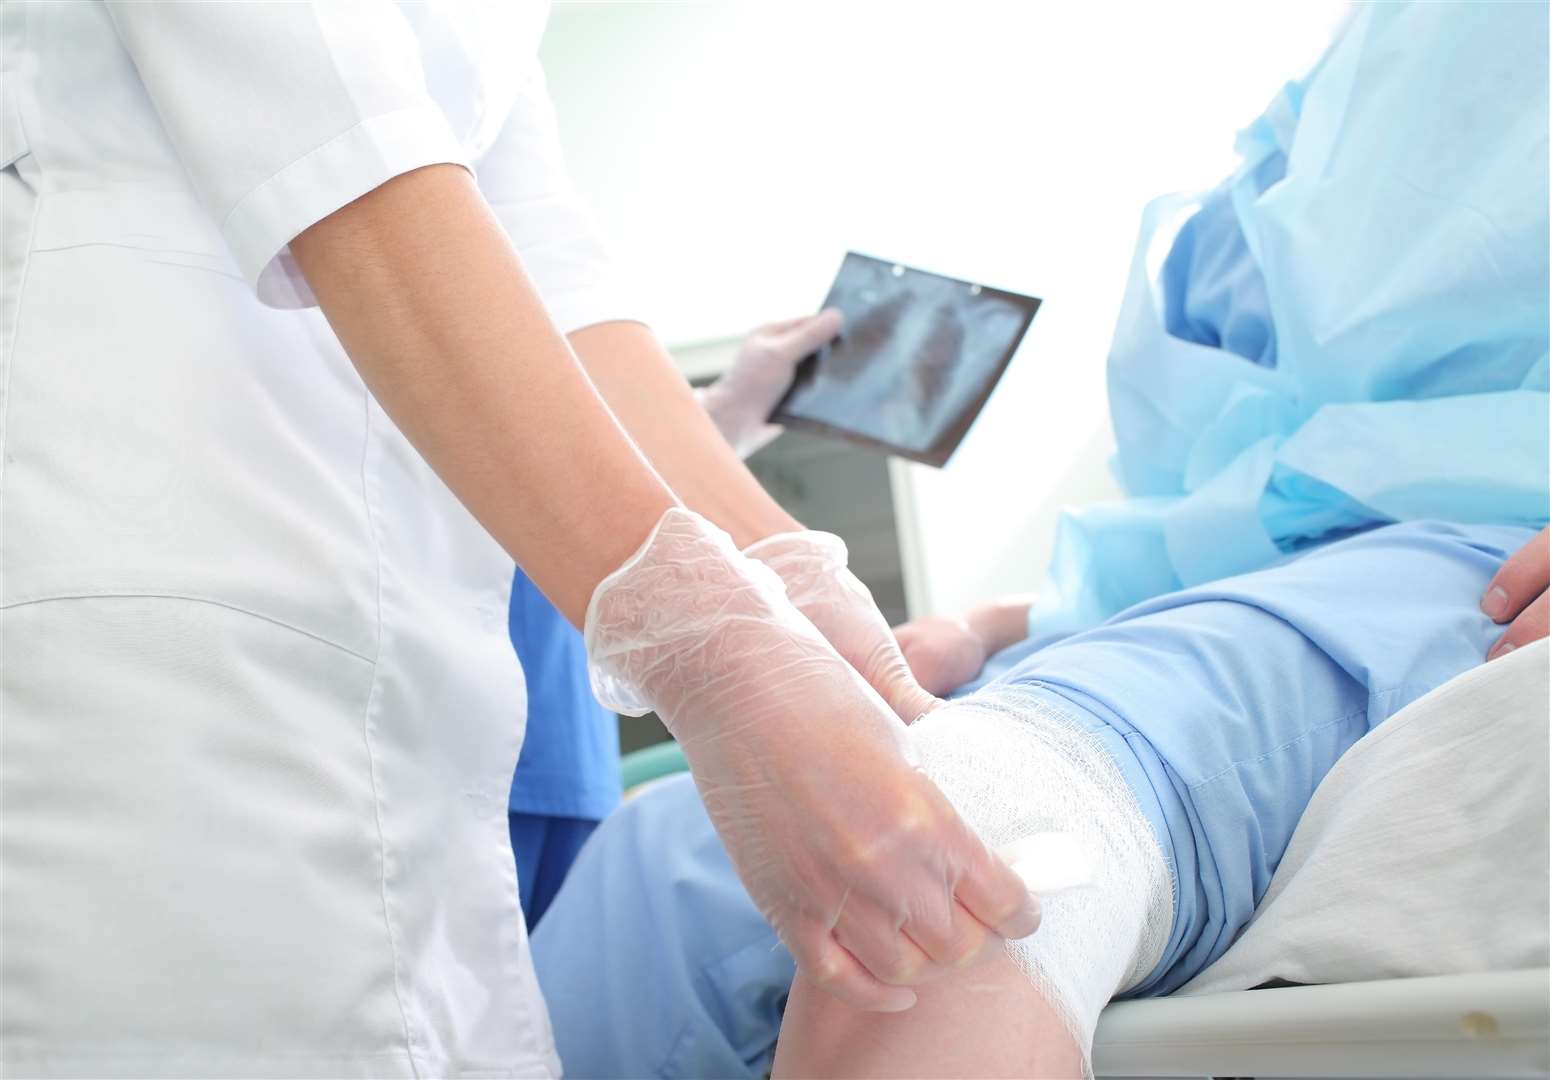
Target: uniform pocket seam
{"points": [[186, 598], [166, 249]]}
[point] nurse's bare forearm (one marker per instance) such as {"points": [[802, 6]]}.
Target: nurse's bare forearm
{"points": [[652, 400], [429, 299]]}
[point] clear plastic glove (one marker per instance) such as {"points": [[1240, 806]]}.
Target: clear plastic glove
{"points": [[851, 853], [818, 582], [740, 402]]}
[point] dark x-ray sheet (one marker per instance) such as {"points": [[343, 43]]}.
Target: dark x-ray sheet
{"points": [[915, 364]]}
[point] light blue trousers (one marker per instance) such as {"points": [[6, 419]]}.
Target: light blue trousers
{"points": [[1223, 706]]}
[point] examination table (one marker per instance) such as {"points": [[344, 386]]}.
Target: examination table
{"points": [[1412, 907]]}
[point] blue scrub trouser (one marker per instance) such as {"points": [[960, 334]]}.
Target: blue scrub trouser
{"points": [[1223, 706], [545, 846]]}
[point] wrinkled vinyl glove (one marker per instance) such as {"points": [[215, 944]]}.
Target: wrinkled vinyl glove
{"points": [[740, 402], [852, 854], [813, 567]]}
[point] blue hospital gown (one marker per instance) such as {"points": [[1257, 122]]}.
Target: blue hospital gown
{"points": [[1350, 331]]}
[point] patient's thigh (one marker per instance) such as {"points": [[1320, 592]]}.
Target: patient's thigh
{"points": [[1226, 704], [985, 1021]]}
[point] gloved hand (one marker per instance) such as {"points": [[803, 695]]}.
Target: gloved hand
{"points": [[813, 567], [851, 853], [739, 402]]}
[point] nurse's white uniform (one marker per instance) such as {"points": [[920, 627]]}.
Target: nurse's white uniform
{"points": [[260, 709]]}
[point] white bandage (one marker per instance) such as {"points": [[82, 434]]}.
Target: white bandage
{"points": [[1048, 797]]}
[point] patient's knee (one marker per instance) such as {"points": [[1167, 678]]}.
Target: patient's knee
{"points": [[1015, 767], [984, 1021]]}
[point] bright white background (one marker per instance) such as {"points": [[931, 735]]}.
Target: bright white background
{"points": [[733, 151]]}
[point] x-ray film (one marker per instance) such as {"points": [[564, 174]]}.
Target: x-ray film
{"points": [[915, 364]]}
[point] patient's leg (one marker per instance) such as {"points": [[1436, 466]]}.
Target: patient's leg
{"points": [[1221, 708], [987, 1021], [1020, 771]]}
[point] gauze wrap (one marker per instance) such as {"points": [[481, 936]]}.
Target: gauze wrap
{"points": [[1038, 788]]}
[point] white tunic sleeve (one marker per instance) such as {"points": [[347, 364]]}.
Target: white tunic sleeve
{"points": [[283, 113], [523, 176]]}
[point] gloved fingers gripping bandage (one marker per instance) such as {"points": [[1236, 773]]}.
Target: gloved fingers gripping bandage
{"points": [[1044, 794], [850, 852]]}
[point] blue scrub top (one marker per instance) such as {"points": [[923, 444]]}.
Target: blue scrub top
{"points": [[570, 757]]}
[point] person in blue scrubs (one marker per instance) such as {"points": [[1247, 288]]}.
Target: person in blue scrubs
{"points": [[567, 778], [1331, 390]]}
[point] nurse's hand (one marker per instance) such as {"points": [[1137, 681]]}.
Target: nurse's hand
{"points": [[852, 854], [741, 401], [813, 567], [1518, 594]]}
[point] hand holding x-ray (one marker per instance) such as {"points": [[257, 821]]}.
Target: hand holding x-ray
{"points": [[739, 403]]}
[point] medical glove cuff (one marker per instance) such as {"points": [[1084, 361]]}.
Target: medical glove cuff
{"points": [[676, 608]]}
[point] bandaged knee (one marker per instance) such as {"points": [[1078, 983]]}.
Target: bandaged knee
{"points": [[1045, 795]]}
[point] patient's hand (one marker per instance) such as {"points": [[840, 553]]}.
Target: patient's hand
{"points": [[943, 653], [1518, 593]]}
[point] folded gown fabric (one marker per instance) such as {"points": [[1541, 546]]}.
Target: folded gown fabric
{"points": [[1352, 330]]}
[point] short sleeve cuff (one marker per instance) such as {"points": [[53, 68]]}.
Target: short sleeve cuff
{"points": [[601, 303], [563, 251], [260, 227]]}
